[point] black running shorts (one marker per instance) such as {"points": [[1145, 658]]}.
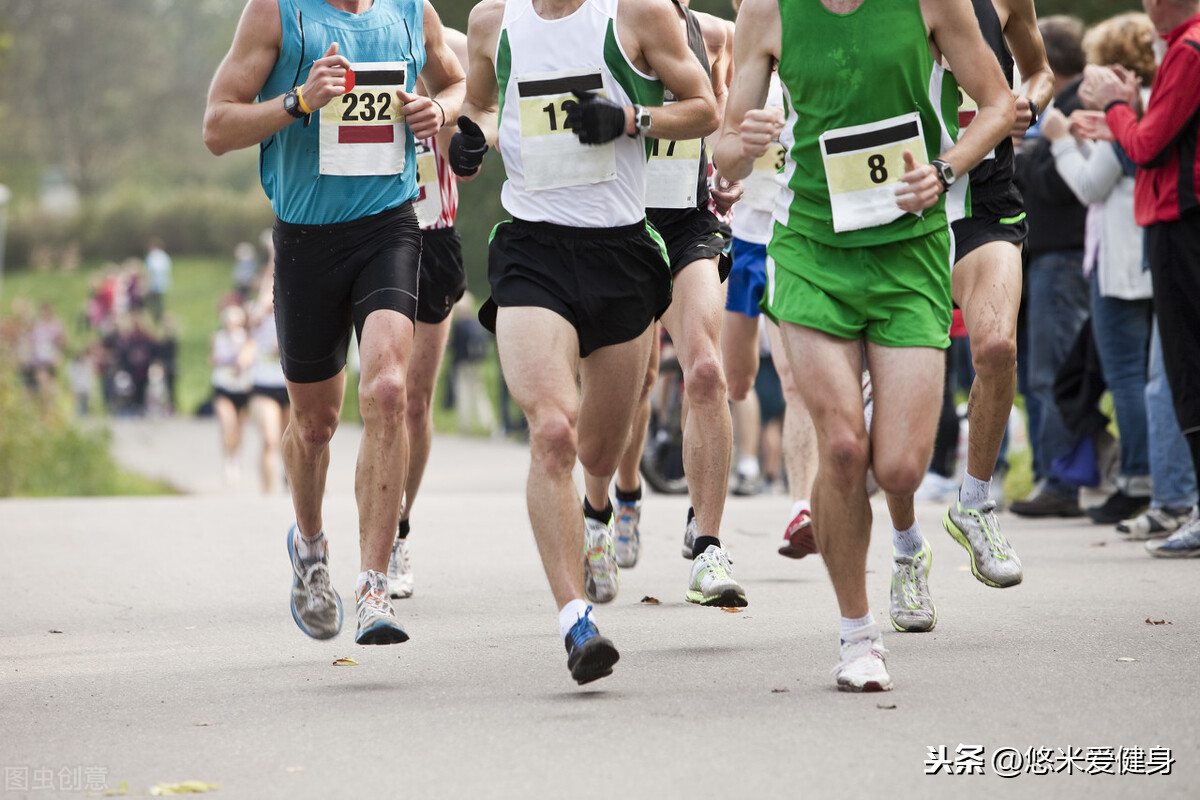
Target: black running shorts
{"points": [[998, 216], [692, 234], [329, 277], [609, 283], [277, 393], [443, 276]]}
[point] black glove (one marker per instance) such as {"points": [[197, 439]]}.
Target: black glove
{"points": [[594, 119], [467, 148]]}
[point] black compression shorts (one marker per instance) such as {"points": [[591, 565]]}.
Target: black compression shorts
{"points": [[328, 277]]}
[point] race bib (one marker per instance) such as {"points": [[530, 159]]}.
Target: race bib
{"points": [[673, 173], [362, 132], [761, 186], [429, 191], [863, 164], [551, 155]]}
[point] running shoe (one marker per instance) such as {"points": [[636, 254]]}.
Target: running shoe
{"points": [[1183, 543], [712, 580], [689, 537], [602, 578], [911, 607], [799, 540], [993, 560], [863, 666], [400, 576], [1154, 523], [316, 606], [589, 655], [747, 485], [629, 538], [376, 619]]}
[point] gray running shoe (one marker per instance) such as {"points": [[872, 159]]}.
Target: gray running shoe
{"points": [[400, 576], [629, 538], [1154, 523], [911, 607], [863, 665], [689, 538], [712, 581], [1183, 543], [993, 560], [602, 578], [376, 618], [316, 606]]}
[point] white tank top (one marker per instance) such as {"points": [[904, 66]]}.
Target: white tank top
{"points": [[551, 176]]}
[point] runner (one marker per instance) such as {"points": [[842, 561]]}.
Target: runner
{"points": [[443, 280], [577, 276], [988, 226], [860, 249], [325, 88]]}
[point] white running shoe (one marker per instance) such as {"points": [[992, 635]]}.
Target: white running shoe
{"points": [[863, 667], [911, 607], [1154, 523], [993, 560], [712, 581], [376, 618], [316, 606], [601, 579], [629, 538], [400, 576]]}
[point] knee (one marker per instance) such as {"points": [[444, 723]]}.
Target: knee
{"points": [[704, 381], [384, 398], [419, 409], [740, 382], [901, 474], [848, 457], [994, 355], [312, 431], [552, 440]]}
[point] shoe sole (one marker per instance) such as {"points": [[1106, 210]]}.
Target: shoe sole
{"points": [[869, 686], [292, 604], [1160, 553], [381, 633], [400, 594], [961, 538], [596, 659], [807, 545], [730, 598]]}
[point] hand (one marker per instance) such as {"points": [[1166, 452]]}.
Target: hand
{"points": [[326, 79], [424, 117], [919, 186], [1103, 85], [725, 193], [1024, 116], [759, 128], [1091, 125], [466, 148], [594, 119], [1054, 125]]}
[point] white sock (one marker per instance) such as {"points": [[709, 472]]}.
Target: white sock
{"points": [[747, 466], [571, 613], [908, 541], [800, 505], [310, 549], [974, 492], [851, 626]]}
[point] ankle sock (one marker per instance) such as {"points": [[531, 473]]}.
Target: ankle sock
{"points": [[850, 626], [629, 498], [908, 541], [974, 492], [310, 549], [402, 530], [569, 615], [600, 516], [702, 543]]}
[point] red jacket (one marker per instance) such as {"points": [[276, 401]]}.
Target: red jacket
{"points": [[1164, 142]]}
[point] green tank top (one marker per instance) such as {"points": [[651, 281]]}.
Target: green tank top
{"points": [[859, 89]]}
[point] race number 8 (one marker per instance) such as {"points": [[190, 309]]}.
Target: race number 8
{"points": [[877, 164]]}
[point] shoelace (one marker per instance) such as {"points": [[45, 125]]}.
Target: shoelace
{"points": [[316, 580], [908, 584], [581, 631], [374, 601], [987, 521], [716, 563]]}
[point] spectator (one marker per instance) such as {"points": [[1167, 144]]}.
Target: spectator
{"points": [[1057, 295], [48, 343], [245, 270], [232, 381], [1163, 143], [158, 271]]}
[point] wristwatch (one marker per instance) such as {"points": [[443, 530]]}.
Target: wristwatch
{"points": [[641, 120], [1035, 111], [945, 173], [291, 104]]}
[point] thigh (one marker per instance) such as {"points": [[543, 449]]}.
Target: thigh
{"points": [[694, 317], [908, 386], [388, 273], [832, 389], [539, 355], [385, 345], [429, 347], [986, 284], [610, 382]]}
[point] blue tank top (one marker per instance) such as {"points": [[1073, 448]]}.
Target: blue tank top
{"points": [[355, 157]]}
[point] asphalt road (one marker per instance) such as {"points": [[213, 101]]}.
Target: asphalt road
{"points": [[148, 640]]}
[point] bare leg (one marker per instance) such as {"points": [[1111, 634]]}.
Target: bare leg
{"points": [[269, 416], [739, 352], [799, 436], [628, 476], [429, 345], [315, 411]]}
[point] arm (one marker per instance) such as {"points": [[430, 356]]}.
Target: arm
{"points": [[232, 119], [718, 37], [1024, 41], [1175, 100], [443, 80], [457, 42], [1092, 177], [748, 128], [481, 103], [654, 29]]}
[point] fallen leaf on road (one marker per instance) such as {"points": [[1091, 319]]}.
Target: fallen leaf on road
{"points": [[651, 601], [122, 789], [730, 610], [52, 630], [345, 662], [295, 769], [201, 724], [779, 691], [1127, 659], [892, 707], [187, 787], [1098, 544], [1157, 621], [190, 628]]}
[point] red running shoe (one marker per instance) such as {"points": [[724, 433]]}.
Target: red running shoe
{"points": [[798, 539]]}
